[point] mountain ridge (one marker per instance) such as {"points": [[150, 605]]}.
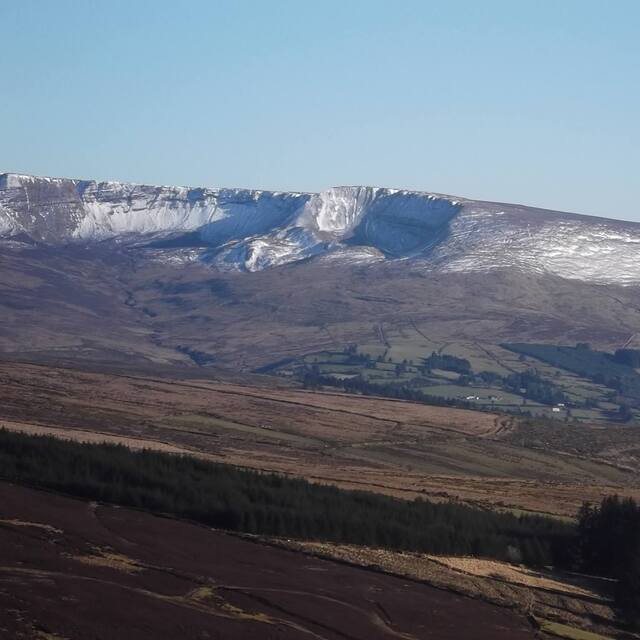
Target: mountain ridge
{"points": [[16, 174], [250, 230]]}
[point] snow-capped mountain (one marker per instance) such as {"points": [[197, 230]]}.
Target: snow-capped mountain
{"points": [[254, 230], [55, 211]]}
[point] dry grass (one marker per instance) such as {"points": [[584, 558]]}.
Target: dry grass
{"points": [[36, 525], [411, 413], [397, 448], [576, 602], [80, 435], [39, 634], [514, 574], [110, 560], [570, 633]]}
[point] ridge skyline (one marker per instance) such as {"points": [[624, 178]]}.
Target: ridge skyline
{"points": [[301, 192]]}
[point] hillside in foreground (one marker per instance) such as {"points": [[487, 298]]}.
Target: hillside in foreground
{"points": [[79, 570]]}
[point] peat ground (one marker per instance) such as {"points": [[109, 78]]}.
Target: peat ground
{"points": [[76, 570]]}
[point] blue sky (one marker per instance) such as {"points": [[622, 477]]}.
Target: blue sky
{"points": [[535, 102]]}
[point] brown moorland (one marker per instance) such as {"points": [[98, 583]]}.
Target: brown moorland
{"points": [[76, 570], [394, 447], [581, 602]]}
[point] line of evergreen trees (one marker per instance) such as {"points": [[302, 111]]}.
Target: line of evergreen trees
{"points": [[606, 540], [447, 362], [399, 391], [609, 545], [249, 501], [536, 388], [612, 370], [627, 357]]}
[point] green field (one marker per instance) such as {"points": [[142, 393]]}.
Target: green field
{"points": [[400, 361]]}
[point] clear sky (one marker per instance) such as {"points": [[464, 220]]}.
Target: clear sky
{"points": [[520, 101]]}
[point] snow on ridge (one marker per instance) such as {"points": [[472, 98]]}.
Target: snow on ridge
{"points": [[59, 210], [257, 229], [269, 228], [337, 210], [575, 247]]}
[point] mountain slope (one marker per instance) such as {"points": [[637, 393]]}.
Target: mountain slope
{"points": [[120, 273], [255, 230]]}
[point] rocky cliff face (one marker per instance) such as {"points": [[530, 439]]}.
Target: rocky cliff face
{"points": [[254, 230], [56, 211]]}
